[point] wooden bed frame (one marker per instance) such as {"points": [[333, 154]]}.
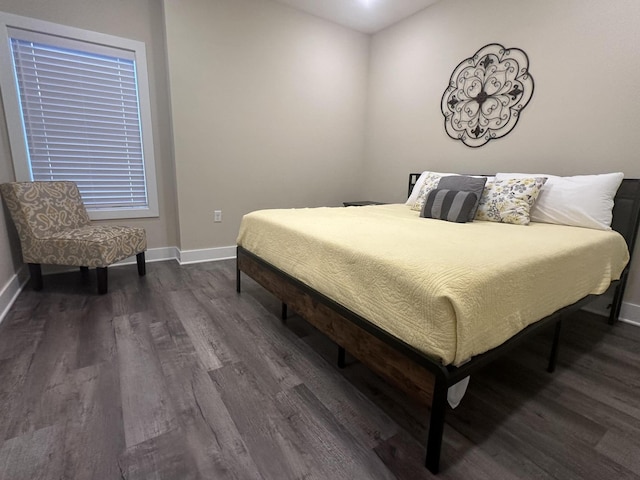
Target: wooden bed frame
{"points": [[417, 374]]}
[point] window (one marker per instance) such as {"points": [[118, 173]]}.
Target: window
{"points": [[77, 108]]}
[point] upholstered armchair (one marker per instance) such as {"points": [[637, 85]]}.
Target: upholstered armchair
{"points": [[54, 228]]}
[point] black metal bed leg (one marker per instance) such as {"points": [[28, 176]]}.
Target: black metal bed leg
{"points": [[553, 357], [436, 426], [238, 289], [284, 313], [616, 303], [341, 357]]}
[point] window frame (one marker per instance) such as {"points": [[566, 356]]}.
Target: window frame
{"points": [[13, 115]]}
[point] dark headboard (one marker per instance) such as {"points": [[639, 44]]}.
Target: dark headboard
{"points": [[626, 219], [413, 179], [626, 211]]}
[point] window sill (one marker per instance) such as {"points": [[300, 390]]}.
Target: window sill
{"points": [[123, 213]]}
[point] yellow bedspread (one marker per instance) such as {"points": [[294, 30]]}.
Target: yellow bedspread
{"points": [[450, 290]]}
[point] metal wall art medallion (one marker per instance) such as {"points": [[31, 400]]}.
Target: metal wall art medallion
{"points": [[486, 95]]}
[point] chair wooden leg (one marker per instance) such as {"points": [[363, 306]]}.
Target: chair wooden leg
{"points": [[142, 267], [35, 271], [101, 272]]}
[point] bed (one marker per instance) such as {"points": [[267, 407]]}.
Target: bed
{"points": [[432, 312]]}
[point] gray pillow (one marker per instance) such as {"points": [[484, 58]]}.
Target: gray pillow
{"points": [[449, 205], [465, 184]]}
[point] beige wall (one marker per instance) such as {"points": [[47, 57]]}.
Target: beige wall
{"points": [[138, 20], [268, 111], [582, 117]]}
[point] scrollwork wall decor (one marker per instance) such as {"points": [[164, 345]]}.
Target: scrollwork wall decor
{"points": [[486, 95]]}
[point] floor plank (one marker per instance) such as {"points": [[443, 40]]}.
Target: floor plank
{"points": [[32, 456], [217, 447], [94, 434], [176, 376], [327, 438], [146, 411], [46, 395], [267, 434], [159, 457]]}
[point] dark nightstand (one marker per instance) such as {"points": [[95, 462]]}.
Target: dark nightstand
{"points": [[361, 204]]}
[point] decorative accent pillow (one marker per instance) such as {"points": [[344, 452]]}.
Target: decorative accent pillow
{"points": [[449, 205], [509, 200], [466, 184], [581, 200], [425, 183]]}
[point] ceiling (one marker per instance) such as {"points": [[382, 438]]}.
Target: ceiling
{"points": [[367, 16]]}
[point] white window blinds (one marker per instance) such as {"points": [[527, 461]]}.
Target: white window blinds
{"points": [[81, 118]]}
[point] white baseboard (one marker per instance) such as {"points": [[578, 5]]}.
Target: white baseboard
{"points": [[184, 257], [630, 313], [11, 291], [206, 255], [154, 255]]}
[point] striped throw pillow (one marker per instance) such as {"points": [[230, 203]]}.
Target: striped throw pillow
{"points": [[449, 205]]}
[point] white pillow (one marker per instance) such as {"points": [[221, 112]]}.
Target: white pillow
{"points": [[581, 200], [416, 188]]}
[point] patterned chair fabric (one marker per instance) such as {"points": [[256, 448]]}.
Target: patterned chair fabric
{"points": [[54, 227]]}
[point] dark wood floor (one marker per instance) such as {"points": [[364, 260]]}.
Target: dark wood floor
{"points": [[175, 376]]}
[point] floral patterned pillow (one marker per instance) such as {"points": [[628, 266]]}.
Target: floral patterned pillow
{"points": [[430, 182], [509, 200]]}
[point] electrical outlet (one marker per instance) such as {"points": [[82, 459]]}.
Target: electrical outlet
{"points": [[217, 216]]}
